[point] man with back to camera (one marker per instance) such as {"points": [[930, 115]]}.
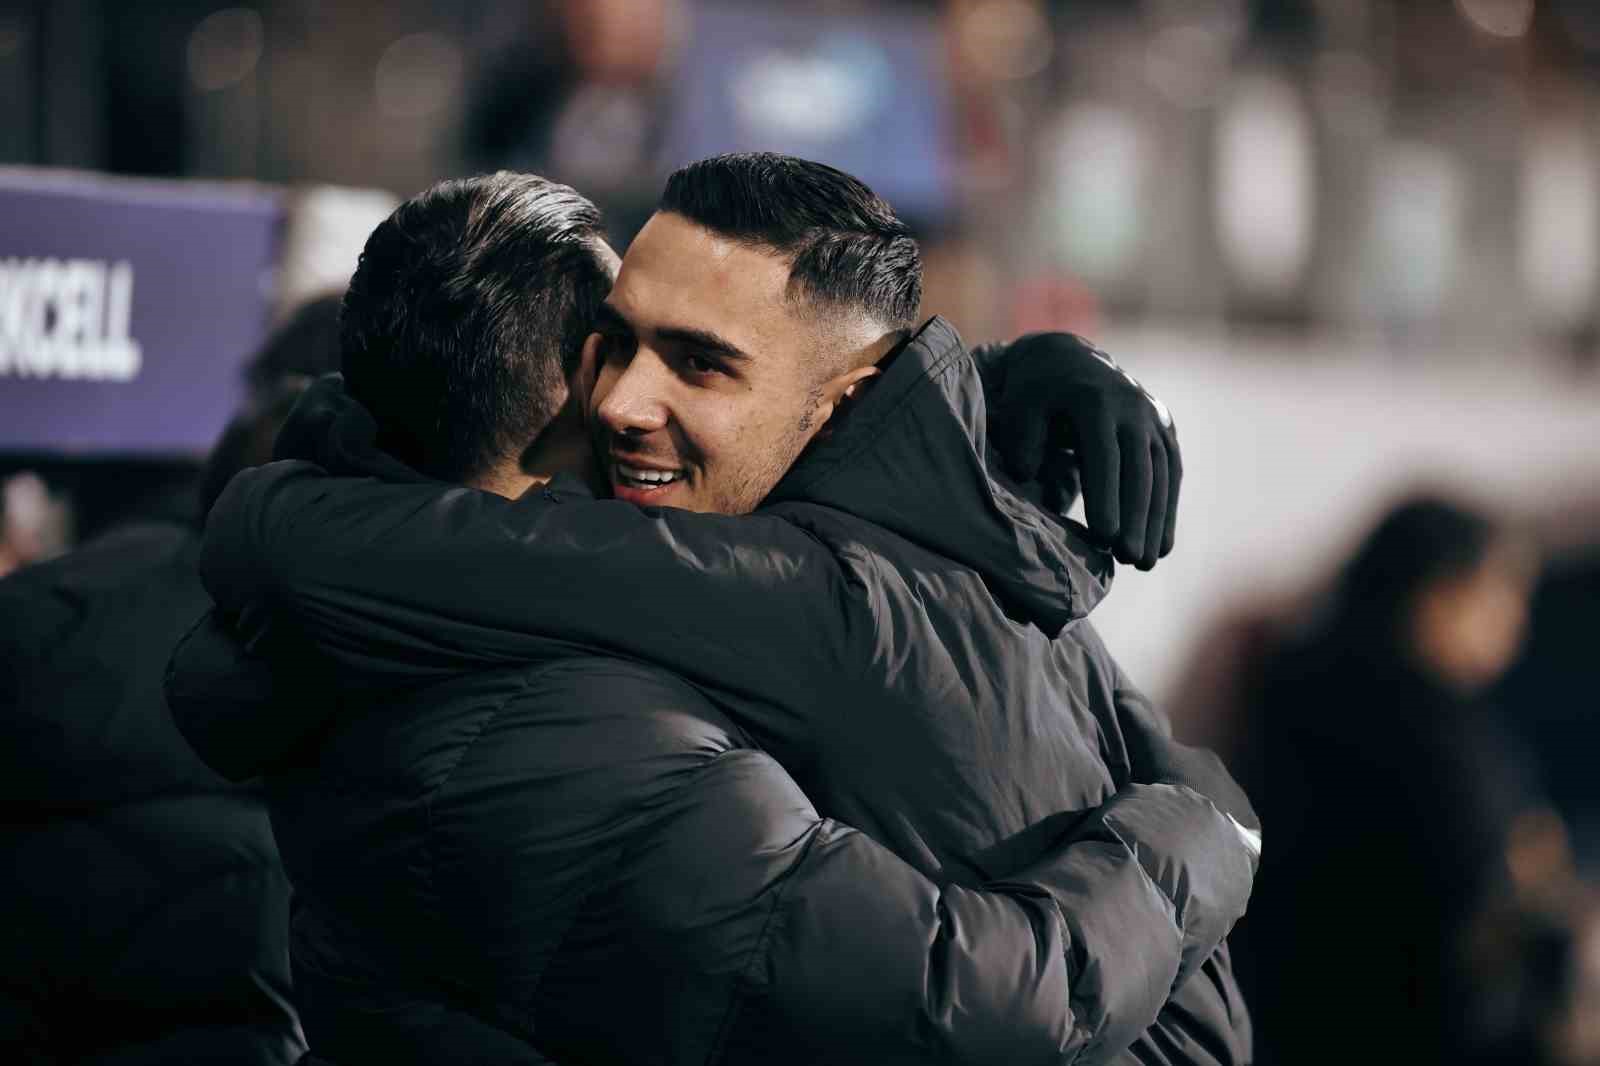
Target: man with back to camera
{"points": [[1062, 948]]}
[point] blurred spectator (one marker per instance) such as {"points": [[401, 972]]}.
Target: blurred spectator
{"points": [[576, 94], [1553, 687], [147, 912], [306, 343], [34, 524], [1414, 889]]}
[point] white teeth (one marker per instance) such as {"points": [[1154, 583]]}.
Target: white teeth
{"points": [[651, 477]]}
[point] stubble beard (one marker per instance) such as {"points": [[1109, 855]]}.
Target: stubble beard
{"points": [[756, 482]]}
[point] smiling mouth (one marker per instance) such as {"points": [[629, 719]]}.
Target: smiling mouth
{"points": [[643, 479]]}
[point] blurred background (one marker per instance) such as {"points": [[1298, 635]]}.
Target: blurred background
{"points": [[1353, 244]]}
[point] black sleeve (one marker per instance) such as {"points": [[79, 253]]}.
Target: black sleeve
{"points": [[1155, 755], [1068, 960], [1205, 1023], [750, 604], [247, 709], [1138, 747]]}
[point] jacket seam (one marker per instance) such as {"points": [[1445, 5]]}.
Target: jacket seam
{"points": [[430, 829], [758, 951]]}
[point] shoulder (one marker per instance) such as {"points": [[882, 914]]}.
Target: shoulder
{"points": [[869, 553], [596, 715], [606, 779], [599, 746], [609, 750], [718, 856]]}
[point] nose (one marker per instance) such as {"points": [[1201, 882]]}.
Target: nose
{"points": [[635, 404]]}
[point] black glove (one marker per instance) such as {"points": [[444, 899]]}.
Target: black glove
{"points": [[1050, 393]]}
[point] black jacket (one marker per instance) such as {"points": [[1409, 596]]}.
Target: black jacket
{"points": [[907, 641], [145, 909]]}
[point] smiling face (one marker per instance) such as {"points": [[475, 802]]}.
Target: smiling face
{"points": [[709, 378]]}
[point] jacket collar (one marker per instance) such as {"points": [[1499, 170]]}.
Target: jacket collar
{"points": [[912, 456], [331, 428]]}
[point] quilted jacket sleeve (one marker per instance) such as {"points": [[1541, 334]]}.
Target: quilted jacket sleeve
{"points": [[1067, 961], [1206, 1021]]}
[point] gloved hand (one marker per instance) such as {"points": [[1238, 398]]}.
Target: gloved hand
{"points": [[1050, 392]]}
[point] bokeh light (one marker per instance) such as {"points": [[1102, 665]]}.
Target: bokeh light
{"points": [[418, 75], [1498, 18], [1006, 39], [225, 48]]}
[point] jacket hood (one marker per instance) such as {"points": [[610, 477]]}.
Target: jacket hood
{"points": [[331, 428], [912, 456]]}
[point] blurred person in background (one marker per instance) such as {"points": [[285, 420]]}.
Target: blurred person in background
{"points": [[578, 91], [146, 907], [1417, 878], [1559, 662], [34, 524], [304, 344]]}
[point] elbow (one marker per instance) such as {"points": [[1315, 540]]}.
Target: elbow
{"points": [[1028, 992]]}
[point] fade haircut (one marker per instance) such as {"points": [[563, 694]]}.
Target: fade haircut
{"points": [[468, 309], [846, 249]]}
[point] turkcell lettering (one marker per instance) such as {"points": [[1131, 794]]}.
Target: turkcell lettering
{"points": [[67, 319]]}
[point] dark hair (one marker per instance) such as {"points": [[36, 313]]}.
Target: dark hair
{"points": [[467, 310], [846, 245], [302, 347], [247, 439], [1423, 540], [306, 343]]}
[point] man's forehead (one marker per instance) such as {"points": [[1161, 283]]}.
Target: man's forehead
{"points": [[676, 273]]}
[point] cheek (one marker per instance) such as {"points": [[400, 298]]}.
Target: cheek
{"points": [[718, 427], [1500, 617]]}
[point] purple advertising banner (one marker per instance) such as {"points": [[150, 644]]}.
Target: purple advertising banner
{"points": [[127, 309]]}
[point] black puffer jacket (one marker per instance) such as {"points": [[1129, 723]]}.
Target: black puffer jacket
{"points": [[607, 865], [146, 913]]}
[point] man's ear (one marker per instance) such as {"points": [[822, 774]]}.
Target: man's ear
{"points": [[840, 392]]}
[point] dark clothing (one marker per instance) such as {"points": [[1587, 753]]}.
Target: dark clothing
{"points": [[146, 911], [899, 629], [1562, 732], [1402, 865]]}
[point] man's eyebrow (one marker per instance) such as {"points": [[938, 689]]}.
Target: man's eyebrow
{"points": [[609, 317], [703, 339]]}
